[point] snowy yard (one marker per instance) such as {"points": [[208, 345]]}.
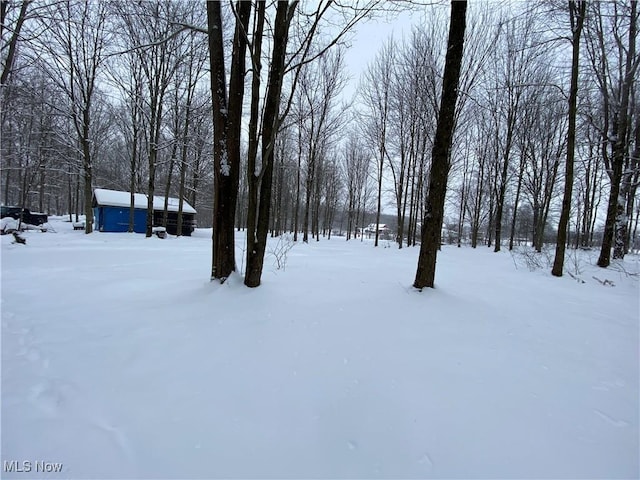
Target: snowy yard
{"points": [[121, 360]]}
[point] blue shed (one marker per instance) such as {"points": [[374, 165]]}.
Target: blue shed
{"points": [[111, 212]]}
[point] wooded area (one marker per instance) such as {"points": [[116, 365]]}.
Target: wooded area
{"points": [[238, 108]]}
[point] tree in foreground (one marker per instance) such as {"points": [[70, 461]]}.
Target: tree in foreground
{"points": [[440, 163], [619, 99], [577, 12], [227, 118], [269, 106]]}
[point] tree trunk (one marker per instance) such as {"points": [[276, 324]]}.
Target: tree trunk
{"points": [[13, 43], [615, 224], [88, 171], [632, 181], [132, 172], [516, 203], [155, 128], [253, 178], [503, 179], [227, 116], [77, 198], [307, 198], [380, 171], [432, 224], [256, 251], [296, 210], [183, 175], [69, 193], [167, 188], [41, 184], [577, 12]]}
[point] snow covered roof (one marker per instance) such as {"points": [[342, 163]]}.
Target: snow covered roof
{"points": [[115, 198]]}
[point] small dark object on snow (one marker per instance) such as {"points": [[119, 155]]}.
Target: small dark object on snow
{"points": [[19, 239], [605, 282], [78, 225]]}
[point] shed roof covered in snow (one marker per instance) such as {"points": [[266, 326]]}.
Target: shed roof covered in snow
{"points": [[115, 198]]}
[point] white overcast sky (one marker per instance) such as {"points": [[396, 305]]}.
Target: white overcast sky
{"points": [[368, 40]]}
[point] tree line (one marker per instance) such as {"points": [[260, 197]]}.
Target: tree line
{"points": [[239, 109]]}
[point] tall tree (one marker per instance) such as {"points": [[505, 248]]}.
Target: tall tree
{"points": [[440, 156], [264, 111], [77, 52], [259, 228], [577, 12], [356, 165], [320, 85], [542, 150], [616, 105], [12, 43], [227, 118], [152, 38], [514, 62], [375, 92], [281, 63]]}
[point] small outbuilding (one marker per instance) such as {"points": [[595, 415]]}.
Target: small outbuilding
{"points": [[111, 212], [384, 231]]}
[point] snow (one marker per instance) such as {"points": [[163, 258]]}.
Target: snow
{"points": [[114, 198], [121, 360], [8, 224]]}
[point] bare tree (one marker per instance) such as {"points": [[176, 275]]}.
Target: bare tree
{"points": [[479, 183], [375, 90], [11, 44], [128, 78], [151, 32], [514, 58], [227, 117], [356, 165], [259, 212], [542, 149], [76, 52], [320, 85], [589, 179], [32, 147], [432, 224], [260, 179], [577, 12], [614, 65]]}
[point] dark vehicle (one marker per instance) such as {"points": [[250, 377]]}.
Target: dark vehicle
{"points": [[27, 216]]}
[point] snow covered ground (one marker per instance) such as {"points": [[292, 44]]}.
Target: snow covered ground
{"points": [[121, 360]]}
